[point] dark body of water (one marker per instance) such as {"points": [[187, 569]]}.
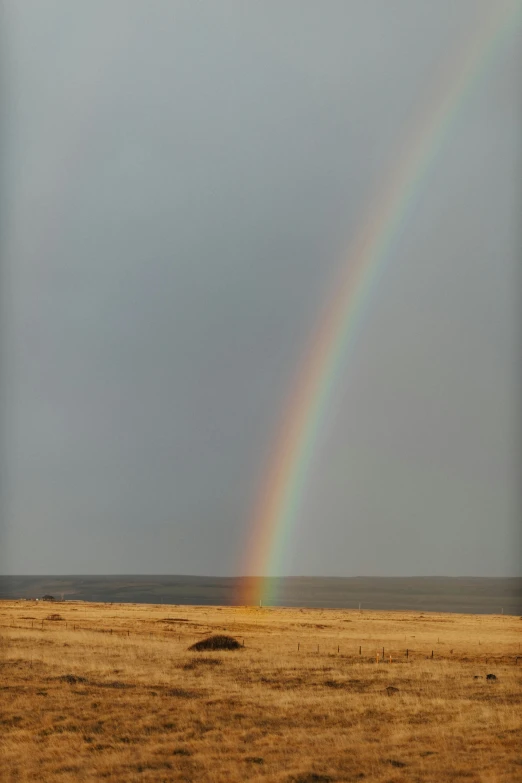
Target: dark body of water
{"points": [[475, 595]]}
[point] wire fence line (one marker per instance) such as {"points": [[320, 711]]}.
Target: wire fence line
{"points": [[351, 652]]}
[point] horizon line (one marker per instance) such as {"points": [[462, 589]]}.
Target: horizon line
{"points": [[293, 576]]}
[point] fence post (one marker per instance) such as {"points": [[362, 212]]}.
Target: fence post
{"points": [[406, 653], [360, 648], [298, 645], [432, 653], [383, 653]]}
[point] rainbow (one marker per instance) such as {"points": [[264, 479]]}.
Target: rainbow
{"points": [[282, 491]]}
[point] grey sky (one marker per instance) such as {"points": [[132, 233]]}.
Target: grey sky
{"points": [[180, 181]]}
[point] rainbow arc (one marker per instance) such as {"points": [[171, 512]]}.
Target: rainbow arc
{"points": [[275, 515]]}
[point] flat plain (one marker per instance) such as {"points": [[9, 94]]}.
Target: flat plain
{"points": [[111, 692]]}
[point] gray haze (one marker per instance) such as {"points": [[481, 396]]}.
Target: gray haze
{"points": [[180, 181]]}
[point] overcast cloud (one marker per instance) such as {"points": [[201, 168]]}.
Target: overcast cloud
{"points": [[180, 182]]}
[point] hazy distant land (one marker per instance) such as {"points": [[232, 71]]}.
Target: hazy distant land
{"points": [[475, 595]]}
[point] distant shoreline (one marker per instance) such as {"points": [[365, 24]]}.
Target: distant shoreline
{"points": [[466, 595]]}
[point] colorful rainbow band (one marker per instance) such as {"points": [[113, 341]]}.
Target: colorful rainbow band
{"points": [[275, 515]]}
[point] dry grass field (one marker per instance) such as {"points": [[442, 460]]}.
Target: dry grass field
{"points": [[112, 693]]}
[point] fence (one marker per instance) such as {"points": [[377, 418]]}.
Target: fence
{"points": [[353, 653]]}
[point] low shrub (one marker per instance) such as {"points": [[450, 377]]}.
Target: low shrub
{"points": [[217, 643]]}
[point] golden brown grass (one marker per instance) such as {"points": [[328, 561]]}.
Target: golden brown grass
{"points": [[111, 693]]}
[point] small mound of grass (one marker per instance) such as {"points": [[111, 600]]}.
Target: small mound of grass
{"points": [[72, 679], [396, 763], [216, 643], [334, 684]]}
